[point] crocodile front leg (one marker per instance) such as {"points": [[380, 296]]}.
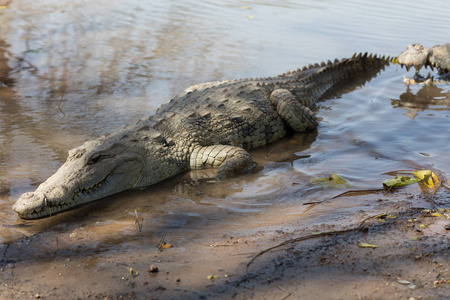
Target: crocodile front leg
{"points": [[298, 117], [231, 160]]}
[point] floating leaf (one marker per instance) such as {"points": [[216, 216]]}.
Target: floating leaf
{"points": [[245, 7], [3, 6], [405, 282], [333, 182], [398, 181], [251, 17], [211, 277], [422, 226], [430, 181], [415, 238], [394, 61], [365, 245], [426, 177]]}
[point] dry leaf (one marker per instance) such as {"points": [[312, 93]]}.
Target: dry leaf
{"points": [[165, 246], [365, 245], [436, 214], [133, 272]]}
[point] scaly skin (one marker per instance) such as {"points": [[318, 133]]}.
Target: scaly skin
{"points": [[418, 56], [208, 125]]}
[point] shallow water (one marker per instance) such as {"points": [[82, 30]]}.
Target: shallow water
{"points": [[73, 70]]}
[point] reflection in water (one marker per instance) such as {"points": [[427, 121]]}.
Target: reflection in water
{"points": [[426, 98]]}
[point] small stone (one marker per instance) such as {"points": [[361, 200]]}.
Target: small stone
{"points": [[153, 269], [447, 227], [37, 296]]}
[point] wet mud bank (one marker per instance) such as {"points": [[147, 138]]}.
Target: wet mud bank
{"points": [[400, 254]]}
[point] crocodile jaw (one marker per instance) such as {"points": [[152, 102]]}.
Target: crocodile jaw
{"points": [[78, 182], [50, 201]]}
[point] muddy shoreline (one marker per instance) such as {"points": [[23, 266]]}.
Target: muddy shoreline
{"points": [[410, 261]]}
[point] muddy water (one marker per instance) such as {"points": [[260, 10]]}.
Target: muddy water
{"points": [[73, 70]]}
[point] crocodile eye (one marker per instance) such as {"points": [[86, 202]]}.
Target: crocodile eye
{"points": [[95, 158]]}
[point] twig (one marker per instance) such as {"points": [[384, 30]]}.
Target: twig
{"points": [[284, 290], [287, 296], [311, 236], [347, 193], [139, 224], [270, 151], [162, 241]]}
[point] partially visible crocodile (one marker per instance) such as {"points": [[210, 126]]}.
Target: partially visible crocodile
{"points": [[418, 56], [208, 125]]}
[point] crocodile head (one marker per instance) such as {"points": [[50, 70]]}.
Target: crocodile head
{"points": [[441, 58], [414, 56], [418, 56], [92, 171]]}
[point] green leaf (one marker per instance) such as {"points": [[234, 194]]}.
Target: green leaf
{"points": [[365, 245], [398, 181], [333, 182]]}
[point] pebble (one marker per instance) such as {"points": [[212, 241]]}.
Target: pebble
{"points": [[153, 269]]}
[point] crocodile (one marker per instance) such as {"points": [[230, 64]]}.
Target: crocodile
{"points": [[209, 125], [418, 56]]}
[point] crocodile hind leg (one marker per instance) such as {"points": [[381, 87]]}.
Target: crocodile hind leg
{"points": [[231, 160], [298, 117]]}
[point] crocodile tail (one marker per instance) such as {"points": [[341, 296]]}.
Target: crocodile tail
{"points": [[358, 69]]}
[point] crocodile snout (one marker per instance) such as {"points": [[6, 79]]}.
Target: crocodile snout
{"points": [[29, 203]]}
